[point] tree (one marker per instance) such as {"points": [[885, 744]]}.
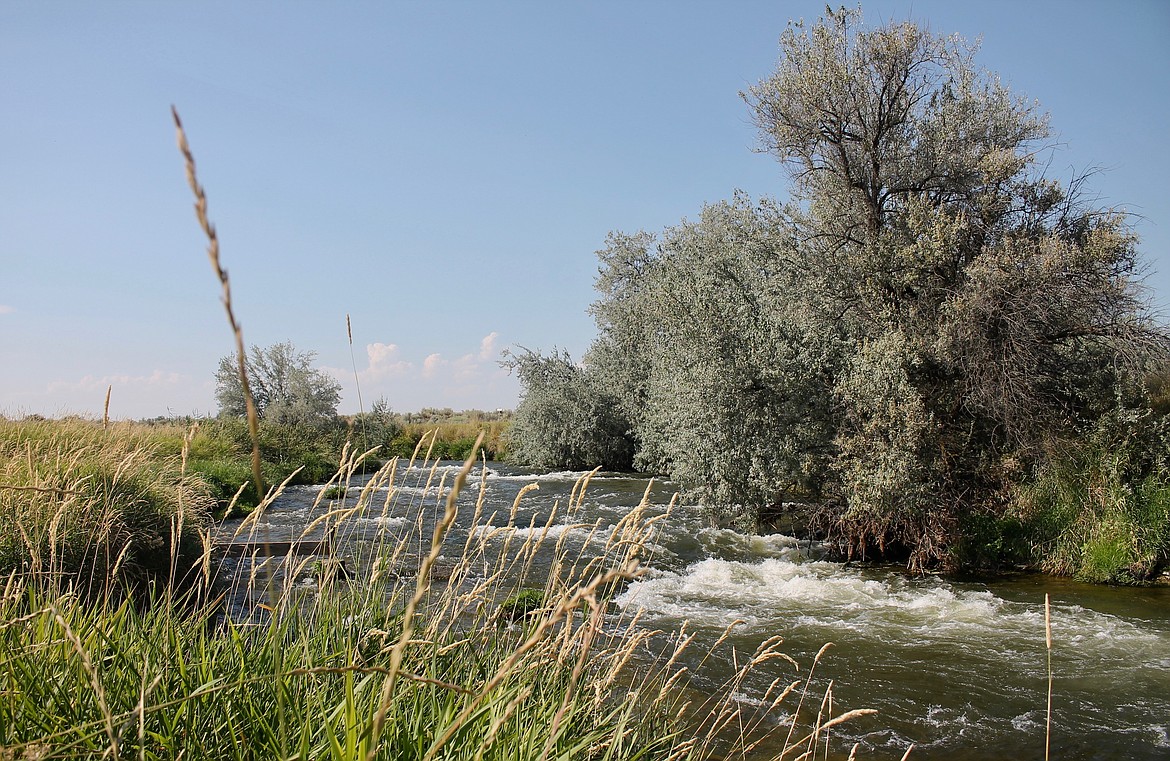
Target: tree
{"points": [[565, 417], [905, 339], [722, 378], [285, 386], [989, 306]]}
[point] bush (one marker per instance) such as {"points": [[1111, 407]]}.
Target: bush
{"points": [[566, 418], [522, 604]]}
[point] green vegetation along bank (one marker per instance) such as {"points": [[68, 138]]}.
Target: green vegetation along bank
{"points": [[310, 452], [931, 353], [124, 636]]}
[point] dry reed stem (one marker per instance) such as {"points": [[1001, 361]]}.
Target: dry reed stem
{"points": [[353, 361], [422, 583], [565, 607], [826, 709], [1048, 646], [578, 668], [221, 273], [800, 704], [42, 489]]}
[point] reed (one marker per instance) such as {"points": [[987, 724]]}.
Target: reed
{"points": [[1048, 646], [416, 658], [225, 283], [103, 509]]}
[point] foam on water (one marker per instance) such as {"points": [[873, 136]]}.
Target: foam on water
{"points": [[723, 541], [568, 476], [581, 531], [389, 521], [778, 594]]}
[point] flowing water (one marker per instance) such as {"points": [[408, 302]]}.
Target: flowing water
{"points": [[957, 668]]}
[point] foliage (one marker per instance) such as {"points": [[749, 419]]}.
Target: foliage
{"points": [[161, 682], [445, 433], [285, 386], [1099, 509], [1157, 386], [566, 417], [900, 342], [219, 451], [727, 379], [376, 428], [522, 604], [450, 440]]}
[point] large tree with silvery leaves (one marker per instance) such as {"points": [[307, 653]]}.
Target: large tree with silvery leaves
{"points": [[987, 305], [902, 338]]}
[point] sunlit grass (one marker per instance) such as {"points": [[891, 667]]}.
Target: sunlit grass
{"points": [[108, 508], [419, 656]]}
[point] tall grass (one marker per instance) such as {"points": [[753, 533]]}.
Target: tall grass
{"points": [[103, 508], [452, 439], [1099, 510], [415, 658], [225, 284]]}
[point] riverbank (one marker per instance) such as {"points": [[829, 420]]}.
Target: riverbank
{"points": [[916, 648], [262, 658]]}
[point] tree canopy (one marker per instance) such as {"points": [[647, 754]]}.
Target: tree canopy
{"points": [[899, 343], [286, 387]]}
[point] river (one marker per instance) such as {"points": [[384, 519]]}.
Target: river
{"points": [[956, 668]]}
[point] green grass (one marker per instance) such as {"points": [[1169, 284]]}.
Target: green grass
{"points": [[106, 508], [451, 439], [1100, 512], [155, 684], [219, 448], [400, 663]]}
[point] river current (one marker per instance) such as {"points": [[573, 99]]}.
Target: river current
{"points": [[956, 668]]}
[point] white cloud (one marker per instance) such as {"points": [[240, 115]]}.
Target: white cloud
{"points": [[487, 347], [470, 380], [5, 309], [467, 368], [91, 382], [432, 364], [384, 362]]}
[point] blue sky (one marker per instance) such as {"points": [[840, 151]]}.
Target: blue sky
{"points": [[442, 172]]}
